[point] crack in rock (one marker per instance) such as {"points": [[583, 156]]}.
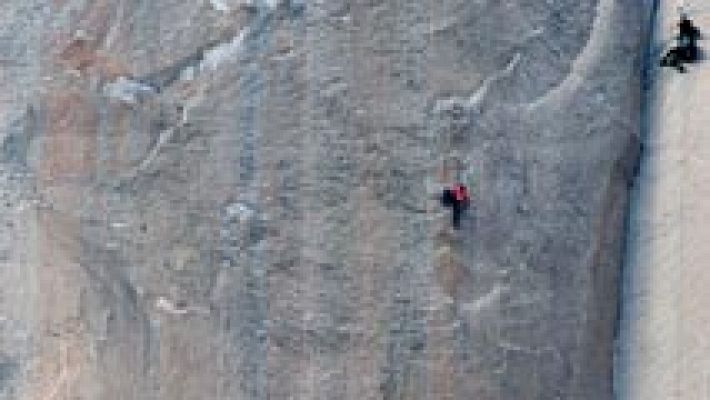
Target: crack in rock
{"points": [[587, 58], [214, 54], [477, 97], [486, 301], [164, 137]]}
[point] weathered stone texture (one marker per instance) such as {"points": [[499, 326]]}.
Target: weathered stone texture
{"points": [[234, 199]]}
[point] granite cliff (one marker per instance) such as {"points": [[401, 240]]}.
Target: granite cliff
{"points": [[235, 199]]}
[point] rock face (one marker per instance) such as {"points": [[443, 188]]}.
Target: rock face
{"points": [[663, 351], [234, 199]]}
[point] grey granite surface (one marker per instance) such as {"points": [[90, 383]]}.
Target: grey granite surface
{"points": [[235, 199]]}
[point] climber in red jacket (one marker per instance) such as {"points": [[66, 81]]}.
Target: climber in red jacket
{"points": [[458, 199]]}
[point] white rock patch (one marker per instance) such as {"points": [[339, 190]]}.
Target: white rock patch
{"points": [[240, 211], [219, 5], [126, 90], [228, 51]]}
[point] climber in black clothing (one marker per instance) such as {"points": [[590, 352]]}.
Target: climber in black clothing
{"points": [[458, 199], [686, 50], [677, 56], [687, 29]]}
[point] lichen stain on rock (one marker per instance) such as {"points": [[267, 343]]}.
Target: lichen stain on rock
{"points": [[69, 149]]}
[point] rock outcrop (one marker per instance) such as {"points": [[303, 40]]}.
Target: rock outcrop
{"points": [[662, 350], [235, 199]]}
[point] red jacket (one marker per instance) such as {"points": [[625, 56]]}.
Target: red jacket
{"points": [[460, 193]]}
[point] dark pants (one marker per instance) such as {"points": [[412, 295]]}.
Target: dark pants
{"points": [[449, 200], [687, 29], [457, 211], [686, 52]]}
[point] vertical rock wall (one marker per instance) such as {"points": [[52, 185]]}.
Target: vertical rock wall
{"points": [[235, 199]]}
